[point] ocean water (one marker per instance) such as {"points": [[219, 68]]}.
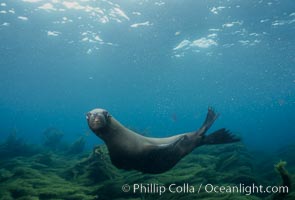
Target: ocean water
{"points": [[154, 65]]}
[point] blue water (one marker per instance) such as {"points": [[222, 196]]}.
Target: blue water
{"points": [[156, 66]]}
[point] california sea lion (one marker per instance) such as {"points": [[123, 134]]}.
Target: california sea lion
{"points": [[129, 150]]}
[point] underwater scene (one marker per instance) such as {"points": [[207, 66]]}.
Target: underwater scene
{"points": [[147, 99]]}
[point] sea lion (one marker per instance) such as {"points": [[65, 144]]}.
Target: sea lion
{"points": [[129, 150]]}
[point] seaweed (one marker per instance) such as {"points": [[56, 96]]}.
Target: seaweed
{"points": [[27, 183], [286, 178], [5, 174], [55, 173], [96, 168], [44, 158], [287, 153]]}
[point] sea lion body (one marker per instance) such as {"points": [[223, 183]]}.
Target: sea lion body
{"points": [[129, 150]]}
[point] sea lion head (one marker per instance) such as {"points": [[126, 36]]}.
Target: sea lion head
{"points": [[97, 119]]}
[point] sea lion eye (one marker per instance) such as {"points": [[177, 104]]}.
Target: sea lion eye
{"points": [[88, 115], [106, 114]]}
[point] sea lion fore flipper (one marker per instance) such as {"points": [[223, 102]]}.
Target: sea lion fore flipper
{"points": [[159, 157]]}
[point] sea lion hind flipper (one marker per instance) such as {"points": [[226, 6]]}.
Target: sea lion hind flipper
{"points": [[220, 136], [211, 116], [210, 119]]}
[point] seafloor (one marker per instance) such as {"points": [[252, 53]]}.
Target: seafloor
{"points": [[55, 170]]}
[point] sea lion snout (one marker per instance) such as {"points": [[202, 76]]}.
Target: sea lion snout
{"points": [[97, 119]]}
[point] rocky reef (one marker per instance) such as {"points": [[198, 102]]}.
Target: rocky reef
{"points": [[53, 139], [55, 172], [77, 147], [15, 146]]}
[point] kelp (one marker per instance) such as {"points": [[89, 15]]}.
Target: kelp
{"points": [[58, 174]]}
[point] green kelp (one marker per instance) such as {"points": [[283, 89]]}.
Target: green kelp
{"points": [[5, 175], [285, 153], [200, 167], [52, 175], [286, 181], [280, 168], [96, 168], [21, 179], [44, 158], [264, 165]]}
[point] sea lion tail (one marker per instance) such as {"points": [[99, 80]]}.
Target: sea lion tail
{"points": [[220, 136], [210, 119]]}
